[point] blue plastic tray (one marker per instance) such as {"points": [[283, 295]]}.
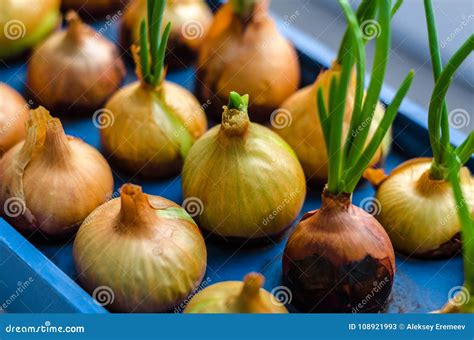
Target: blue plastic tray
{"points": [[47, 270]]}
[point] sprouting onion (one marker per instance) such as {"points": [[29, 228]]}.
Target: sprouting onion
{"points": [[416, 199], [338, 253]]}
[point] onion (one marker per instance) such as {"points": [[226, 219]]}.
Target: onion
{"points": [[76, 69], [236, 297], [145, 250], [245, 42], [297, 122], [417, 210], [339, 258], [23, 25], [94, 8], [241, 163], [190, 22], [13, 115], [151, 123], [51, 182]]}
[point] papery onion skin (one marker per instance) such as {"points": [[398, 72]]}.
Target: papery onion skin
{"points": [[22, 25], [13, 116], [419, 213], [336, 257], [142, 139], [265, 62], [151, 260], [75, 70], [301, 129], [236, 297], [63, 181], [230, 173], [96, 8], [190, 21]]}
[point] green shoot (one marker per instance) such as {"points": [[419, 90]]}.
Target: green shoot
{"points": [[238, 102]]}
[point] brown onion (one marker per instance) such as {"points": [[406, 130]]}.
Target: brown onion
{"points": [[297, 122], [190, 21], [246, 53], [13, 115], [24, 24], [336, 257], [51, 181], [94, 8], [236, 297], [75, 70], [145, 250]]}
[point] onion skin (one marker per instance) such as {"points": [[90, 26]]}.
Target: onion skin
{"points": [[236, 297], [96, 8], [158, 150], [336, 257], [25, 24], [54, 180], [302, 130], [145, 248], [244, 162], [75, 70], [190, 21], [247, 57], [13, 116], [419, 213]]}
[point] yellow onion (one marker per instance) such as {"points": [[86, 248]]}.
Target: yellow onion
{"points": [[418, 212], [297, 122], [51, 181], [236, 297], [190, 21], [23, 24], [236, 164], [75, 70], [244, 52], [94, 8], [145, 250], [13, 115], [338, 256]]}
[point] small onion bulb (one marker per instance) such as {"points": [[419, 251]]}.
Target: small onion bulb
{"points": [[51, 181], [236, 297], [75, 70], [146, 250], [13, 116]]}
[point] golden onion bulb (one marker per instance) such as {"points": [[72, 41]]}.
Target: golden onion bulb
{"points": [[236, 297], [75, 70], [418, 212], [233, 166], [51, 181], [145, 250], [190, 21], [13, 116], [252, 48], [150, 131], [95, 8], [24, 24], [297, 122]]}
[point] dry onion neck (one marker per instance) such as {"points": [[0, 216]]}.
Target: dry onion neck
{"points": [[438, 125], [235, 119], [347, 162], [247, 9], [136, 213], [75, 27], [152, 45], [57, 149]]}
